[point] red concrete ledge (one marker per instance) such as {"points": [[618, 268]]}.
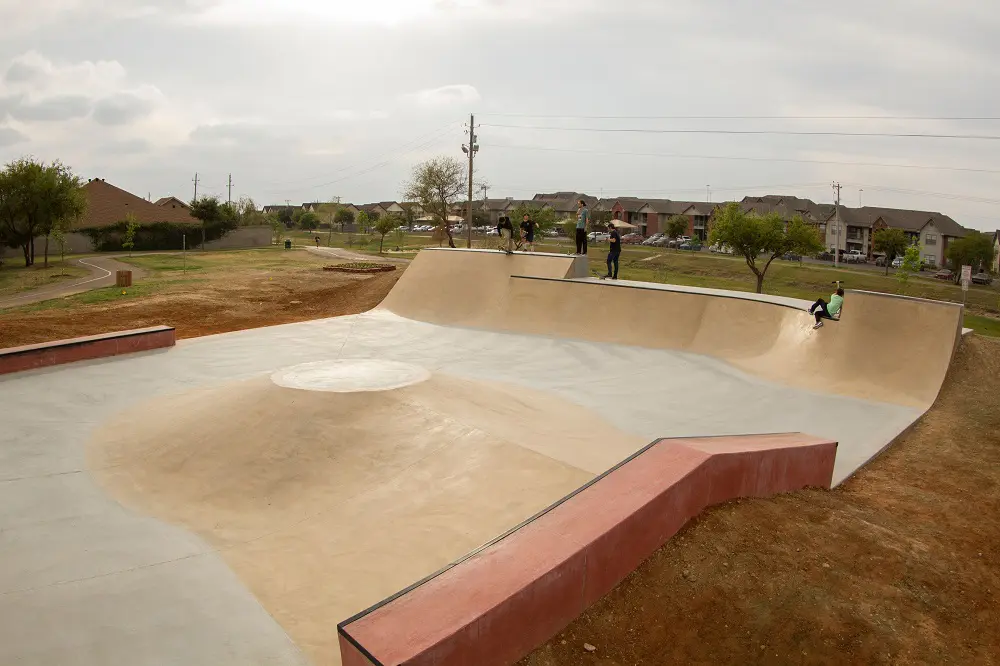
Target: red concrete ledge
{"points": [[30, 357], [496, 605]]}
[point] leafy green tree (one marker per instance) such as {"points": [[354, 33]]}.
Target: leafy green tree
{"points": [[35, 197], [131, 226], [569, 228], [974, 250], [278, 227], [363, 222], [209, 211], [892, 243], [399, 236], [343, 217], [544, 216], [675, 227], [756, 237], [309, 221], [437, 185], [911, 265], [285, 215], [384, 225], [59, 238]]}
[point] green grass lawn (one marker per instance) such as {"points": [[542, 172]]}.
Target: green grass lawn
{"points": [[15, 278]]}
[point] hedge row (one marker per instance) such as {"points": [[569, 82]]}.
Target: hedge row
{"points": [[156, 235]]}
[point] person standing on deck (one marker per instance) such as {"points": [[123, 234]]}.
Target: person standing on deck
{"points": [[614, 251], [582, 218]]}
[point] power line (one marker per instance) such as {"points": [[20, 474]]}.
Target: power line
{"points": [[743, 159], [938, 195], [438, 131], [913, 118], [637, 130]]}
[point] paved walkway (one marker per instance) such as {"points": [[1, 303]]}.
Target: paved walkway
{"points": [[102, 274]]}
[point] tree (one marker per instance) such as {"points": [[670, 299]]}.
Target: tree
{"points": [[437, 185], [911, 265], [131, 226], [569, 228], [676, 226], [278, 227], [409, 216], [384, 225], [751, 235], [399, 235], [309, 221], [208, 210], [59, 237], [285, 215], [34, 198], [974, 250], [343, 217], [892, 243], [364, 221], [544, 216]]}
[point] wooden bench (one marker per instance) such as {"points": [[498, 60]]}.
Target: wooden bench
{"points": [[30, 357]]}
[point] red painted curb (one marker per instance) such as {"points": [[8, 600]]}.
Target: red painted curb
{"points": [[499, 604], [58, 352]]}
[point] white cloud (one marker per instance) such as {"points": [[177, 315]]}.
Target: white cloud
{"points": [[456, 95]]}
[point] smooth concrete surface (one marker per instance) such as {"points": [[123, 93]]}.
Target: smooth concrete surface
{"points": [[508, 598], [138, 590]]}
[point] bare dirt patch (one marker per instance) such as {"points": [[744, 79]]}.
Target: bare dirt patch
{"points": [[217, 302], [897, 566]]}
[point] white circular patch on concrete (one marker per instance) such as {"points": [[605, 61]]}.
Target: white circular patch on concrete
{"points": [[350, 375]]}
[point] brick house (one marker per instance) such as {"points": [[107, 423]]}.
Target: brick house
{"points": [[932, 232], [654, 213]]}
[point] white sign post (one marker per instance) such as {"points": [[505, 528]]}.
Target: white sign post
{"points": [[966, 279]]}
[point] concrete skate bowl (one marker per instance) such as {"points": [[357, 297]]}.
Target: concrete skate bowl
{"points": [[886, 348], [329, 486]]}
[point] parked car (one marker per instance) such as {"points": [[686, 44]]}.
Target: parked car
{"points": [[944, 274], [825, 256], [654, 239], [552, 233], [694, 245], [719, 248], [880, 260], [897, 262], [791, 256], [632, 239], [492, 232], [854, 257], [982, 278], [598, 236]]}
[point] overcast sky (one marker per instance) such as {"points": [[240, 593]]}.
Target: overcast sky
{"points": [[309, 99]]}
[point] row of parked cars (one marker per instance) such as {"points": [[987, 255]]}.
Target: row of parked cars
{"points": [[662, 240]]}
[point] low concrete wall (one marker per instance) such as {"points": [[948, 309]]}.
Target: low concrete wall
{"points": [[243, 237], [499, 603], [75, 244], [30, 357]]}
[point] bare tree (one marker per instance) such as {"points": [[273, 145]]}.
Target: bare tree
{"points": [[437, 185]]}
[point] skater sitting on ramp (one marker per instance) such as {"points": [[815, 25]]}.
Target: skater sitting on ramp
{"points": [[821, 310], [506, 231]]}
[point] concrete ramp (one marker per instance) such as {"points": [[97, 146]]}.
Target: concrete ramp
{"points": [[459, 287], [886, 348]]}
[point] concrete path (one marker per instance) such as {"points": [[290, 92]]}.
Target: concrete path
{"points": [[102, 274], [348, 255]]}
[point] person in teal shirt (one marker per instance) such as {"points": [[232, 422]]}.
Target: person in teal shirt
{"points": [[822, 310]]}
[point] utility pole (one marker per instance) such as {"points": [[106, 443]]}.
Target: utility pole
{"points": [[486, 202], [836, 250], [471, 151], [196, 187], [229, 199]]}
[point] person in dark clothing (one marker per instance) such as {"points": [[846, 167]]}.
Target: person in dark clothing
{"points": [[614, 251], [506, 231], [582, 219], [528, 233]]}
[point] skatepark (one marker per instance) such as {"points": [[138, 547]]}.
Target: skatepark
{"points": [[234, 498]]}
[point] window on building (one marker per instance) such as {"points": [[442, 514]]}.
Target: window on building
{"points": [[930, 239], [930, 259]]}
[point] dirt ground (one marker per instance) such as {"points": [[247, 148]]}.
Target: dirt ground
{"points": [[897, 566], [218, 302]]}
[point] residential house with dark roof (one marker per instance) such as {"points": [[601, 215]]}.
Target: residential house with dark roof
{"points": [[108, 205], [173, 202], [654, 213], [933, 232]]}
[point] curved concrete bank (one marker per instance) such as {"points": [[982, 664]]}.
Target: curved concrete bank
{"points": [[501, 602], [885, 348]]}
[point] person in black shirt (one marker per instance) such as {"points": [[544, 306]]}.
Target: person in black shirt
{"points": [[506, 231], [614, 251], [528, 233]]}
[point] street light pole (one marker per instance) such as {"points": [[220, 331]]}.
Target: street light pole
{"points": [[471, 151]]}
